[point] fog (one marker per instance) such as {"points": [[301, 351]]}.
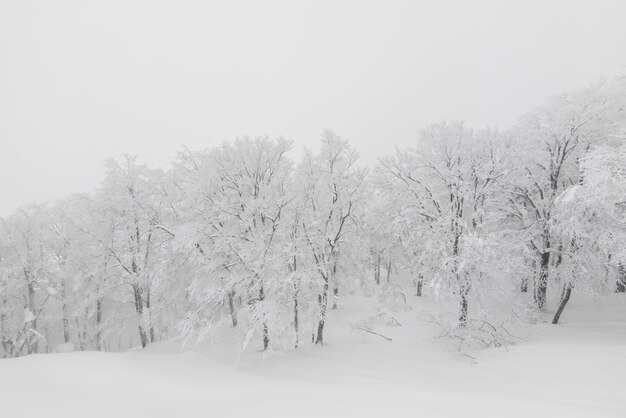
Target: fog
{"points": [[83, 81]]}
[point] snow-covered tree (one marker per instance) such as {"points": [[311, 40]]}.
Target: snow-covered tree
{"points": [[243, 193], [234, 241], [590, 219], [25, 281], [332, 186], [551, 141], [132, 197], [446, 192]]}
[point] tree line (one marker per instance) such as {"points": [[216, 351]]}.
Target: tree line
{"points": [[238, 240]]}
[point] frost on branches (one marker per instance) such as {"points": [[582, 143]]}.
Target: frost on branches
{"points": [[242, 243], [445, 194]]}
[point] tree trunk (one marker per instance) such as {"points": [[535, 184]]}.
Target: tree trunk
{"points": [[296, 323], [463, 287], [148, 315], [3, 331], [47, 338], [335, 286], [296, 294], [98, 342], [388, 271], [524, 285], [418, 285], [33, 341], [99, 302], [84, 338], [320, 333], [137, 290], [323, 303], [81, 332], [542, 281], [526, 280], [66, 321], [231, 307], [620, 285], [143, 336], [567, 292], [377, 269], [266, 336], [463, 307]]}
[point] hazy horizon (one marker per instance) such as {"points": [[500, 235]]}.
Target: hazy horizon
{"points": [[84, 82]]}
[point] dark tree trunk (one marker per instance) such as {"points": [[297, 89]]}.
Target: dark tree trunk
{"points": [[143, 336], [524, 285], [323, 304], [137, 290], [526, 280], [66, 325], [65, 316], [320, 333], [231, 307], [99, 305], [335, 286], [81, 331], [567, 292], [463, 287], [47, 338], [33, 343], [418, 285], [149, 314], [296, 295], [542, 281], [620, 285], [266, 335], [559, 256], [3, 332], [296, 322], [463, 307], [98, 341], [388, 271]]}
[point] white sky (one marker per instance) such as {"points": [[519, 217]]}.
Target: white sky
{"points": [[81, 81]]}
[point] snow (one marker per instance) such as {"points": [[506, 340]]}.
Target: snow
{"points": [[573, 369], [28, 316]]}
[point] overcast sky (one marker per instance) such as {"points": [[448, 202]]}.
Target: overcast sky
{"points": [[81, 81]]}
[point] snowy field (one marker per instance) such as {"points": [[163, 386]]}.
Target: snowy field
{"points": [[575, 369], [312, 209]]}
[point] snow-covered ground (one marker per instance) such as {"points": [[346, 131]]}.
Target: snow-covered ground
{"points": [[575, 369]]}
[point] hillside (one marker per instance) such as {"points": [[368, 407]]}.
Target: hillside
{"points": [[573, 369]]}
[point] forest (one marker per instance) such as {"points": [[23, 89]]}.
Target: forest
{"points": [[247, 241]]}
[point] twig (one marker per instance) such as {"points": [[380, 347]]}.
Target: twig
{"points": [[372, 332]]}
